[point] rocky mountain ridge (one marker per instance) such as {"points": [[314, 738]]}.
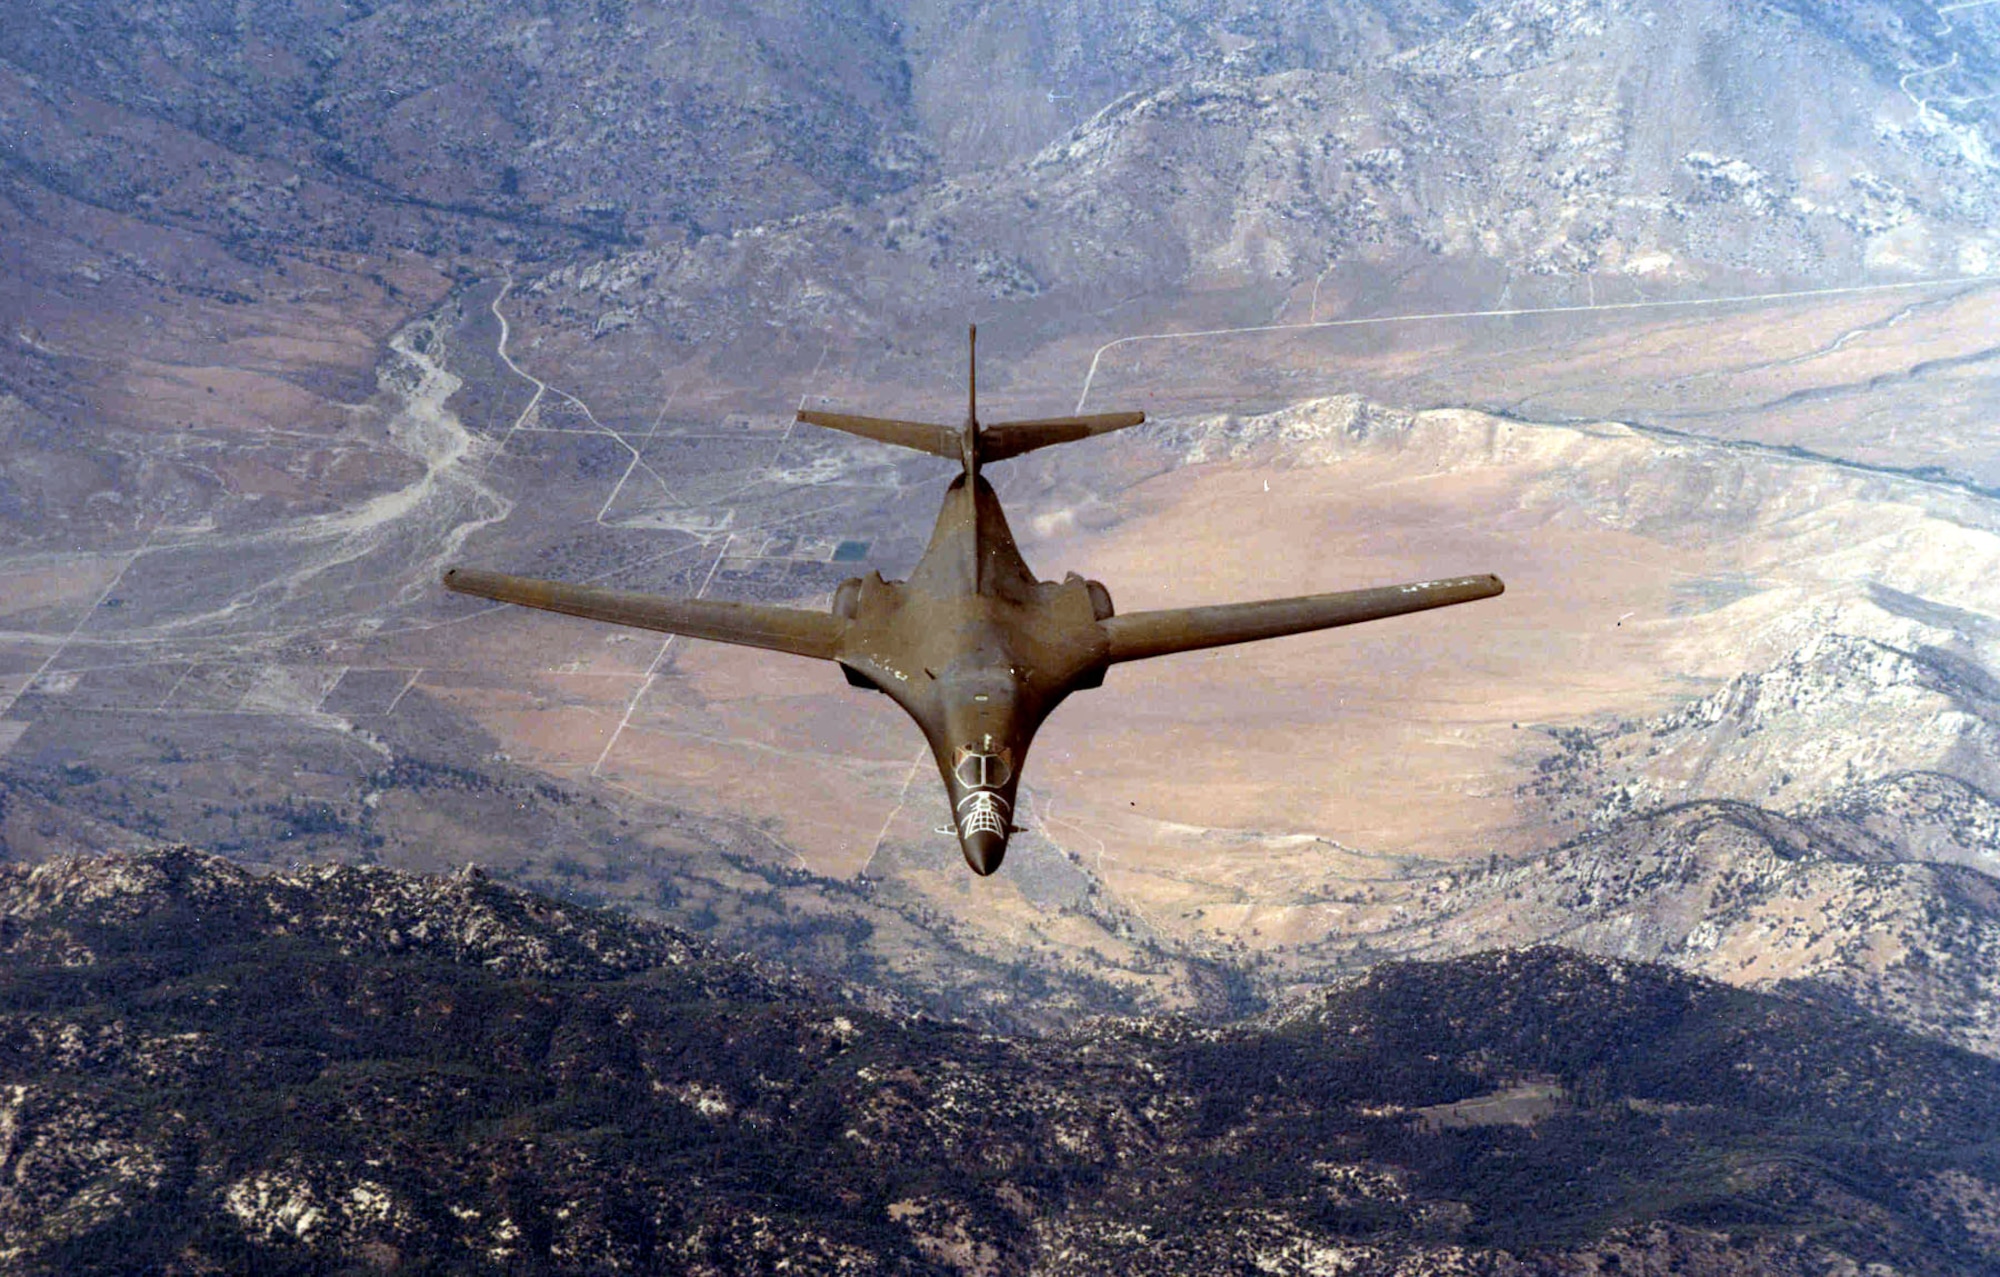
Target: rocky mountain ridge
{"points": [[1750, 897], [1525, 147], [217, 1070], [1839, 708], [714, 187]]}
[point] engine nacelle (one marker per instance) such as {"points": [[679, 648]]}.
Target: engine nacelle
{"points": [[847, 598], [846, 602], [1100, 598]]}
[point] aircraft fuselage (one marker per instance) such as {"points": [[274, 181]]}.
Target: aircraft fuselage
{"points": [[978, 652], [972, 646]]}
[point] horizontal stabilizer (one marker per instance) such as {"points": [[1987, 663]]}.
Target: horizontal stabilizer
{"points": [[1138, 635], [921, 435], [780, 629], [1012, 438]]}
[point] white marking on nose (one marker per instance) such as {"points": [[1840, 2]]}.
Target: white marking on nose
{"points": [[982, 811]]}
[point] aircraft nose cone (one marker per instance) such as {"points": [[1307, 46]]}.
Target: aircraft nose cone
{"points": [[984, 850]]}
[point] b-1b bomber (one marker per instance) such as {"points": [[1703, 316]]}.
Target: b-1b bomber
{"points": [[975, 648]]}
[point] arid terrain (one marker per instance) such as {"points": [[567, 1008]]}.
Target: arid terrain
{"points": [[1680, 321], [1643, 918]]}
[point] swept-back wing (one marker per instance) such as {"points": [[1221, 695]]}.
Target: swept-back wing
{"points": [[1012, 438], [924, 436], [1139, 635], [781, 629]]}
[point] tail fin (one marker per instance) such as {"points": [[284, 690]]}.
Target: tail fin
{"points": [[972, 443], [1012, 438], [970, 451], [939, 441]]}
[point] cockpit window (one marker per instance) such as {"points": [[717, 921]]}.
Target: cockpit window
{"points": [[982, 769]]}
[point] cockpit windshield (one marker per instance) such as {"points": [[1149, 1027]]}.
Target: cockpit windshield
{"points": [[983, 769]]}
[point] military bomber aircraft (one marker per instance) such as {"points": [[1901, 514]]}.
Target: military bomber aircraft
{"points": [[972, 646]]}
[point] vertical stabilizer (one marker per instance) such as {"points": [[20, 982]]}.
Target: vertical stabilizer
{"points": [[976, 542], [969, 440]]}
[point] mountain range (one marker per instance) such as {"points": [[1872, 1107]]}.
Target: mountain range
{"points": [[367, 1071]]}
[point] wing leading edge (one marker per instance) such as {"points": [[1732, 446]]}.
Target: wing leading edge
{"points": [[779, 629], [1138, 635]]}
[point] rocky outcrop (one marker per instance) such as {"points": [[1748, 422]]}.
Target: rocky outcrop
{"points": [[1885, 899], [1840, 710], [83, 913], [367, 1070], [1540, 141]]}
